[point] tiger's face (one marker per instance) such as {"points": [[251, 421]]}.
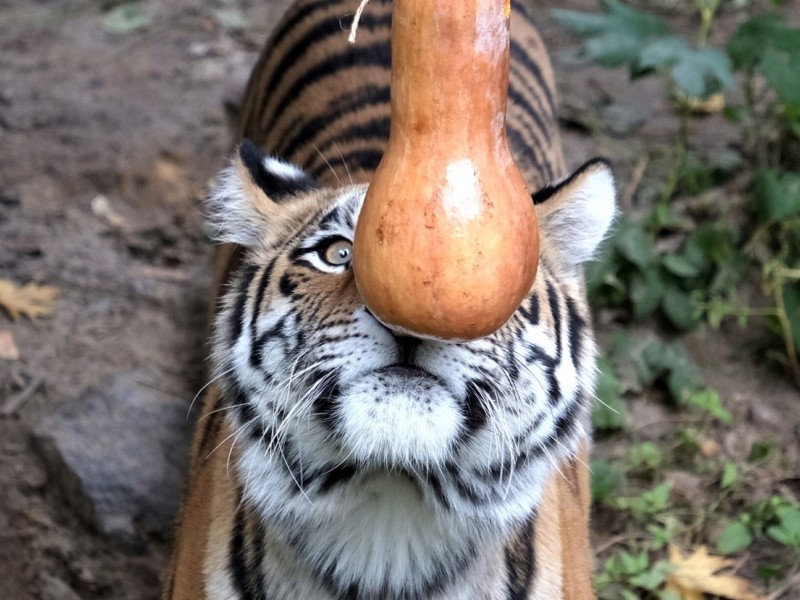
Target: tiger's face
{"points": [[332, 408]]}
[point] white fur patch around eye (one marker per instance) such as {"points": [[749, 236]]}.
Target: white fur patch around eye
{"points": [[585, 209]]}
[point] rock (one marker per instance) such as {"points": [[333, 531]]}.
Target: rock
{"points": [[687, 486], [30, 477], [764, 415], [119, 454], [52, 588]]}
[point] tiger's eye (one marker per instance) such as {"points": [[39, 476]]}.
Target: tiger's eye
{"points": [[338, 253]]}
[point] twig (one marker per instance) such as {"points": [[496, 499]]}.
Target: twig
{"points": [[610, 543], [636, 178], [777, 593], [15, 402]]}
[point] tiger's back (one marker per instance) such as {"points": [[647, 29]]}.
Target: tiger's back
{"points": [[323, 105]]}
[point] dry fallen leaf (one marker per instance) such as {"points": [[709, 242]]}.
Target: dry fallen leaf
{"points": [[8, 348], [30, 300], [696, 575]]}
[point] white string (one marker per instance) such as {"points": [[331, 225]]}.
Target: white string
{"points": [[352, 37]]}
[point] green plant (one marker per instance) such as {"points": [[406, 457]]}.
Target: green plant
{"points": [[632, 575], [776, 518], [635, 273], [623, 36], [698, 279]]}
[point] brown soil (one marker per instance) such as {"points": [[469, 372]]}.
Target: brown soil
{"points": [[107, 143]]}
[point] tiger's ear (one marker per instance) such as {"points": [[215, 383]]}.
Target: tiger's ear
{"points": [[252, 197], [575, 214]]}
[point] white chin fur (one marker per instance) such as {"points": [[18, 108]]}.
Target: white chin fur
{"points": [[395, 417]]}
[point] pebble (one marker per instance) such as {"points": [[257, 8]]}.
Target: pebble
{"points": [[119, 455]]}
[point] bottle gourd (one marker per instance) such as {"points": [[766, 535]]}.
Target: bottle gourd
{"points": [[447, 243]]}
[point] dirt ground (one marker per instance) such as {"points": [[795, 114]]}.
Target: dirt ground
{"points": [[107, 144]]}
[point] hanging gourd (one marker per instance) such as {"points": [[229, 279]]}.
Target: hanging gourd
{"points": [[447, 242]]}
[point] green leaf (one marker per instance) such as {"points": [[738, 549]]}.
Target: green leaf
{"points": [[607, 479], [734, 538], [615, 37], [791, 301], [663, 52], [646, 292], [126, 18], [778, 195], [788, 530], [582, 23], [609, 411], [700, 73], [658, 497], [646, 455], [709, 401], [758, 35], [654, 577], [664, 534], [634, 243], [633, 563], [768, 572], [730, 475], [767, 42], [781, 71], [680, 265], [677, 306]]}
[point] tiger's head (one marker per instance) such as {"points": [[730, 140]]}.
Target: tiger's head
{"points": [[330, 407]]}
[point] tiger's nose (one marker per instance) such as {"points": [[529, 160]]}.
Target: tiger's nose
{"points": [[406, 345]]}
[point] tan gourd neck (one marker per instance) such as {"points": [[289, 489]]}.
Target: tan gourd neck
{"points": [[435, 46]]}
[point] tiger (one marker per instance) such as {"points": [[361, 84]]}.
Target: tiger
{"points": [[335, 458]]}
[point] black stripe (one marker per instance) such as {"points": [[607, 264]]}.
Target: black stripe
{"points": [[320, 33], [436, 485], [576, 326], [366, 160], [534, 149], [337, 475], [520, 56], [550, 190], [276, 186], [237, 558], [327, 400], [531, 312], [541, 131], [565, 424], [475, 415], [521, 563], [257, 347], [257, 576], [236, 321], [339, 108], [262, 286], [376, 128], [522, 151], [555, 387], [287, 286], [299, 16], [555, 310], [465, 489], [257, 91], [377, 54]]}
